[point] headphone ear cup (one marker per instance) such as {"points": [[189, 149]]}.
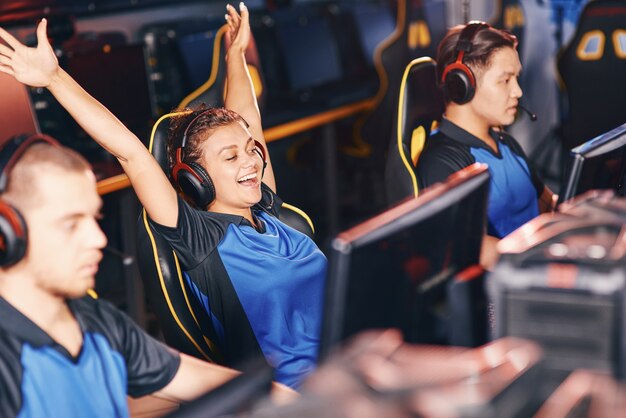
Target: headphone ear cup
{"points": [[13, 235], [458, 86], [260, 150], [196, 184], [262, 157]]}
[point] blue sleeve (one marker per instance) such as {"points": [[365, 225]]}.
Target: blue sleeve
{"points": [[517, 149]]}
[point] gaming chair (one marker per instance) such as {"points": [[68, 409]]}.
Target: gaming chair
{"points": [[183, 321], [420, 106], [592, 68]]}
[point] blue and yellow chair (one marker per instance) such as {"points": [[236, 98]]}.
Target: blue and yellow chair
{"points": [[592, 68], [420, 107]]}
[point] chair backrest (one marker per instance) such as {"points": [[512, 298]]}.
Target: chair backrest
{"points": [[183, 321], [592, 68], [186, 63], [510, 17], [212, 91], [410, 39], [420, 106]]}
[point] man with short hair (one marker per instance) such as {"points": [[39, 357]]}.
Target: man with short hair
{"points": [[63, 353]]}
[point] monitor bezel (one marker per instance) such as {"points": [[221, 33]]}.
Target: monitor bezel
{"points": [[430, 202], [601, 144]]}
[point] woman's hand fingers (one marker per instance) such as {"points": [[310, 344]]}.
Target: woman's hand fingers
{"points": [[32, 66], [6, 70], [239, 25], [9, 39], [42, 34], [6, 51]]}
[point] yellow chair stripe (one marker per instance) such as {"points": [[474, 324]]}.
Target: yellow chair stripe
{"points": [[401, 100], [156, 259], [210, 343], [361, 148], [158, 122], [591, 46], [301, 213], [165, 293], [619, 43], [418, 140]]}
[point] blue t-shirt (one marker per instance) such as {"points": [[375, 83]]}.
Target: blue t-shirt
{"points": [[514, 186], [39, 378], [262, 290]]}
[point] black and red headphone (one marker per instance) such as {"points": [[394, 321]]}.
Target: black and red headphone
{"points": [[192, 179], [458, 80], [13, 231]]}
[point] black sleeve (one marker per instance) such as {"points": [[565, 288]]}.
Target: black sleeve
{"points": [[10, 376], [150, 365], [196, 235], [517, 149], [439, 160]]}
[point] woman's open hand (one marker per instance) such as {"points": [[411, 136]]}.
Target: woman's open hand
{"points": [[36, 67], [238, 27]]}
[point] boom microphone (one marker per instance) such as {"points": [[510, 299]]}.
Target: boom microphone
{"points": [[533, 117], [127, 259]]}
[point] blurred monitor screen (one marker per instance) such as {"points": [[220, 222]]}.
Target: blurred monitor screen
{"points": [[599, 163], [116, 76], [310, 52], [16, 111], [196, 51], [435, 11], [393, 269], [374, 22]]}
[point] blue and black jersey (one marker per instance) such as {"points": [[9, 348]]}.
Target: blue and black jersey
{"points": [[262, 290], [514, 186], [39, 378]]}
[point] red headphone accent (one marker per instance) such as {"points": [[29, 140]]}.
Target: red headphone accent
{"points": [[13, 228], [458, 80]]}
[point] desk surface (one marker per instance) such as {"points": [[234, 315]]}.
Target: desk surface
{"points": [[121, 181]]}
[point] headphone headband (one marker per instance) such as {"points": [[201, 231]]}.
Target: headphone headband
{"points": [[183, 141], [457, 79], [464, 43]]}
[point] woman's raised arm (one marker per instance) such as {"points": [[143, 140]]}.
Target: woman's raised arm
{"points": [[39, 67], [240, 95]]}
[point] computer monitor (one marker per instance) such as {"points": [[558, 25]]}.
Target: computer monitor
{"points": [[309, 48], [236, 397], [116, 76], [196, 47], [394, 269], [375, 22], [436, 17], [16, 111], [599, 163]]}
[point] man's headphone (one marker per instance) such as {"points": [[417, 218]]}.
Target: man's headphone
{"points": [[13, 231], [459, 83], [192, 179]]}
